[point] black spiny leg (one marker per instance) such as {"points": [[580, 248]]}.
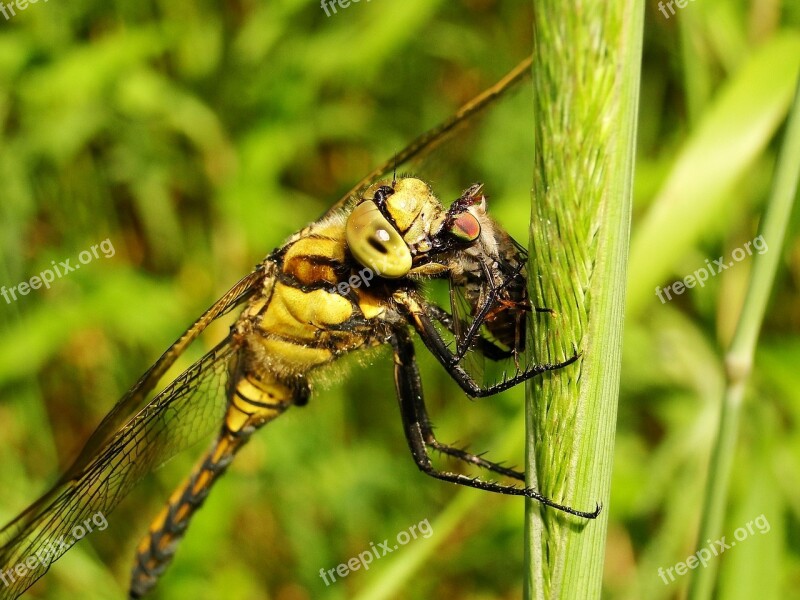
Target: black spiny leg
{"points": [[486, 347], [416, 427], [462, 454], [418, 317]]}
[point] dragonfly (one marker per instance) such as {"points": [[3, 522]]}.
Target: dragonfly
{"points": [[354, 279]]}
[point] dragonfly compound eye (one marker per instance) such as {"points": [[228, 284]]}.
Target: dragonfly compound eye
{"points": [[375, 243], [465, 227]]}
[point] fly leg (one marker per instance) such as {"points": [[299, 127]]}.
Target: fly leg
{"points": [[252, 404], [416, 426], [491, 300], [486, 347]]}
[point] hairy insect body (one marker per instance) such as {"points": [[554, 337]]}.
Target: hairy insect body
{"points": [[297, 323]]}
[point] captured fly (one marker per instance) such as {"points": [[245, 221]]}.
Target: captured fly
{"points": [[298, 317]]}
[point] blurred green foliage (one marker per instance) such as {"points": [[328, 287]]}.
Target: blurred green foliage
{"points": [[196, 136]]}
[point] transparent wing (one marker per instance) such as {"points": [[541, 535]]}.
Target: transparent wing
{"points": [[179, 416], [136, 397], [423, 145], [461, 312], [489, 309], [134, 438]]}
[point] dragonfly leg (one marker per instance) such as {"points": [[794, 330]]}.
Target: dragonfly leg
{"points": [[418, 317], [252, 404], [426, 429], [409, 394]]}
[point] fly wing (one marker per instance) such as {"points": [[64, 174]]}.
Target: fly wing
{"points": [[179, 416], [489, 310], [462, 316]]}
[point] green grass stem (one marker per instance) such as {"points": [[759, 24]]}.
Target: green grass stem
{"points": [[586, 82], [740, 354]]}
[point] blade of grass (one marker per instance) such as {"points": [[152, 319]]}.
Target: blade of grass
{"points": [[732, 133], [739, 357], [586, 79]]}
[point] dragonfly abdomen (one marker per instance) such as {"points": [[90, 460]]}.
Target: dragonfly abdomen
{"points": [[252, 403]]}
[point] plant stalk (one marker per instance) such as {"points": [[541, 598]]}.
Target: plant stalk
{"points": [[739, 357], [586, 73]]}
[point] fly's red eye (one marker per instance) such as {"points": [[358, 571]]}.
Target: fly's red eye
{"points": [[466, 227]]}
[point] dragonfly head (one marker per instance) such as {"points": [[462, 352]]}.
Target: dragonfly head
{"points": [[394, 225], [400, 228]]}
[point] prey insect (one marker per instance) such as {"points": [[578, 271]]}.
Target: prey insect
{"points": [[296, 320]]}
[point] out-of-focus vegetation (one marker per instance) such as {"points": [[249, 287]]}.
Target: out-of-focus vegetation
{"points": [[196, 136]]}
